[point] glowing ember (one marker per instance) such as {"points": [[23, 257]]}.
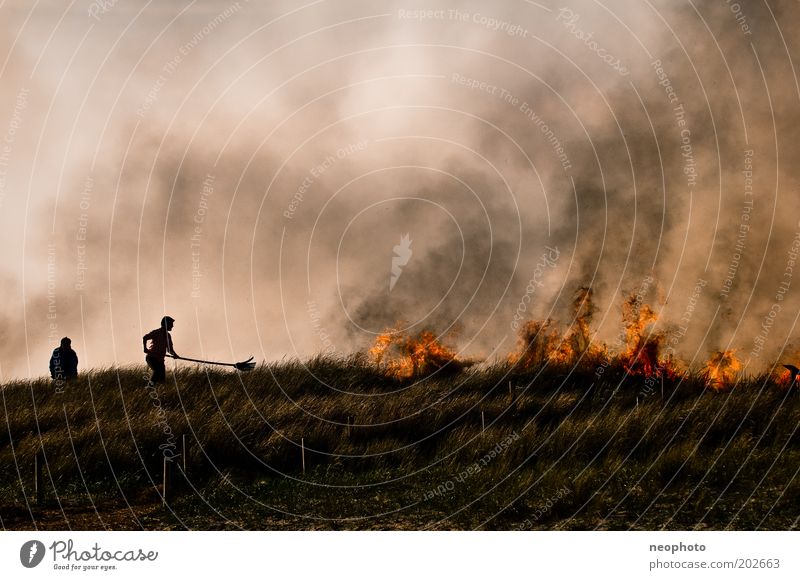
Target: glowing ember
{"points": [[721, 369], [404, 356]]}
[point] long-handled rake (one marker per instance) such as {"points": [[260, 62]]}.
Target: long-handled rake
{"points": [[245, 366]]}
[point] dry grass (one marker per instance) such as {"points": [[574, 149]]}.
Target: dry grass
{"points": [[390, 453]]}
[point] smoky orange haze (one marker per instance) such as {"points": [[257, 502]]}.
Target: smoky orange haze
{"points": [[249, 168]]}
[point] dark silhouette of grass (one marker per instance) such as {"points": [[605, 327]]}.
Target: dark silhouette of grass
{"points": [[563, 449]]}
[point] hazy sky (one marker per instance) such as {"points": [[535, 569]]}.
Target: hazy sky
{"points": [[249, 168]]}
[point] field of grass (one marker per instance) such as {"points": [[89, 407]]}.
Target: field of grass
{"points": [[488, 448]]}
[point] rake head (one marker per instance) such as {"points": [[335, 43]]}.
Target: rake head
{"points": [[246, 365]]}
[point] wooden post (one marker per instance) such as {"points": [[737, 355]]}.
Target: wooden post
{"points": [[348, 426], [509, 389], [166, 483], [483, 422], [183, 452], [38, 462], [303, 454]]}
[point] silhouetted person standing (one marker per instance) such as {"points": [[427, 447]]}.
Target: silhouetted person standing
{"points": [[160, 345], [64, 362]]}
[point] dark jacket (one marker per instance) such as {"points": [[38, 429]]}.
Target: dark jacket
{"points": [[63, 364], [160, 342]]}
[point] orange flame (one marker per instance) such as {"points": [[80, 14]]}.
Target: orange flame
{"points": [[584, 309], [403, 356], [642, 355], [782, 378], [722, 369], [540, 341]]}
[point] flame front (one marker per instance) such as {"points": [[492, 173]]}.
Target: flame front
{"points": [[404, 356], [540, 341]]}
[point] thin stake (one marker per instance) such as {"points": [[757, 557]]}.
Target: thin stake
{"points": [[183, 451], [348, 426], [38, 461], [165, 482], [303, 454], [509, 389], [483, 422]]}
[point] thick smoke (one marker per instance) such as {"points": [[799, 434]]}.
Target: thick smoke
{"points": [[249, 169]]}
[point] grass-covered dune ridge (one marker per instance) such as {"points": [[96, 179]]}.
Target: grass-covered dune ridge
{"points": [[492, 447]]}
